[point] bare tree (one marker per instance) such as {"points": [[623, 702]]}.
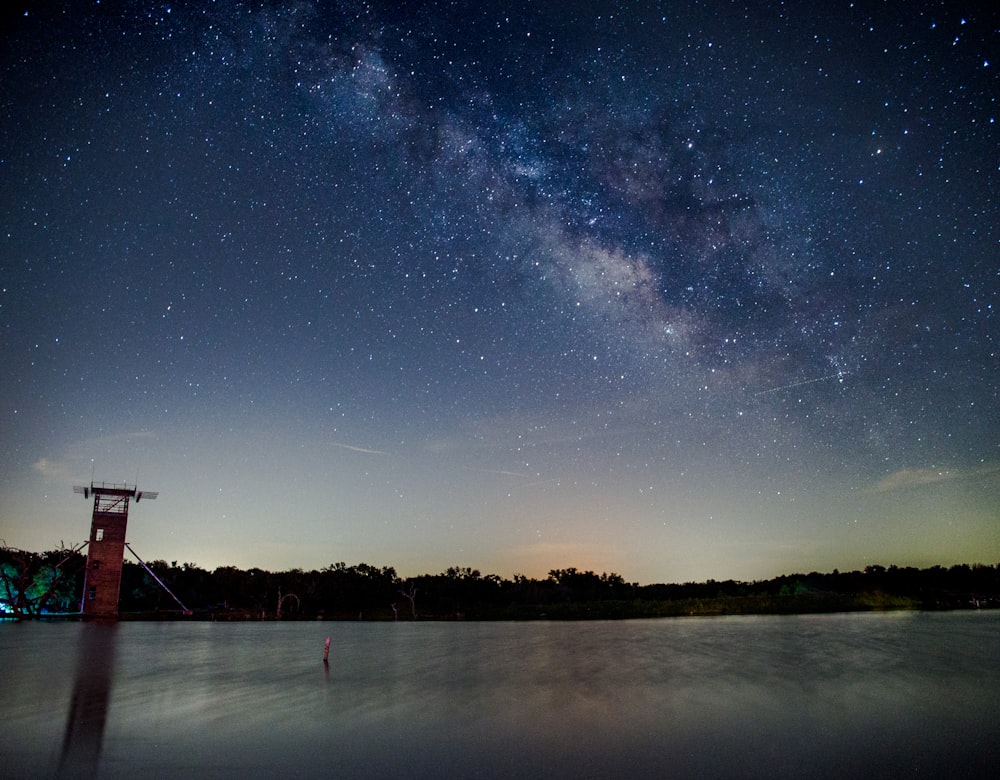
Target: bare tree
{"points": [[281, 600], [411, 596]]}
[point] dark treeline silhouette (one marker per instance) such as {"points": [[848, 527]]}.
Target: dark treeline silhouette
{"points": [[35, 584]]}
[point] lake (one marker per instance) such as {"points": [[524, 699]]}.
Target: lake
{"points": [[875, 695]]}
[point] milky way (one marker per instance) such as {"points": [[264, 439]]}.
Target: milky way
{"points": [[679, 290]]}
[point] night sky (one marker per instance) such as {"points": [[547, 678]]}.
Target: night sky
{"points": [[676, 290]]}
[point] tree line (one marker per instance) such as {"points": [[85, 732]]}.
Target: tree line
{"points": [[50, 583]]}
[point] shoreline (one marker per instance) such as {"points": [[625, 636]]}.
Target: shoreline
{"points": [[608, 610]]}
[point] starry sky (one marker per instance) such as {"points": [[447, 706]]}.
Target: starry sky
{"points": [[680, 290]]}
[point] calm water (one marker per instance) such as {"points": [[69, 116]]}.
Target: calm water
{"points": [[889, 695]]}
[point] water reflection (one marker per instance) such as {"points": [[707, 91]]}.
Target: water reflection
{"points": [[90, 701], [790, 697]]}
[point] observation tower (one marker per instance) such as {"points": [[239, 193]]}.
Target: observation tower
{"points": [[102, 578]]}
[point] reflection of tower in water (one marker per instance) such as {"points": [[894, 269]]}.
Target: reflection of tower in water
{"points": [[89, 705]]}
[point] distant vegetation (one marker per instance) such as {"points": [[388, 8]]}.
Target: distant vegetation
{"points": [[38, 584]]}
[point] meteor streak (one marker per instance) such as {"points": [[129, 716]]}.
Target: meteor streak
{"points": [[839, 376], [352, 448]]}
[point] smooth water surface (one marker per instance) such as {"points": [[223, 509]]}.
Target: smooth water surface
{"points": [[874, 695]]}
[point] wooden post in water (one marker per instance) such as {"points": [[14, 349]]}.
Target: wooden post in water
{"points": [[326, 651]]}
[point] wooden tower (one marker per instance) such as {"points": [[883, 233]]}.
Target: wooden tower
{"points": [[106, 550]]}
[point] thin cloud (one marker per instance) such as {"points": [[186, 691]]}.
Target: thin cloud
{"points": [[52, 469], [912, 478]]}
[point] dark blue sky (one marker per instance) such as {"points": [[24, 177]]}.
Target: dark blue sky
{"points": [[679, 290]]}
